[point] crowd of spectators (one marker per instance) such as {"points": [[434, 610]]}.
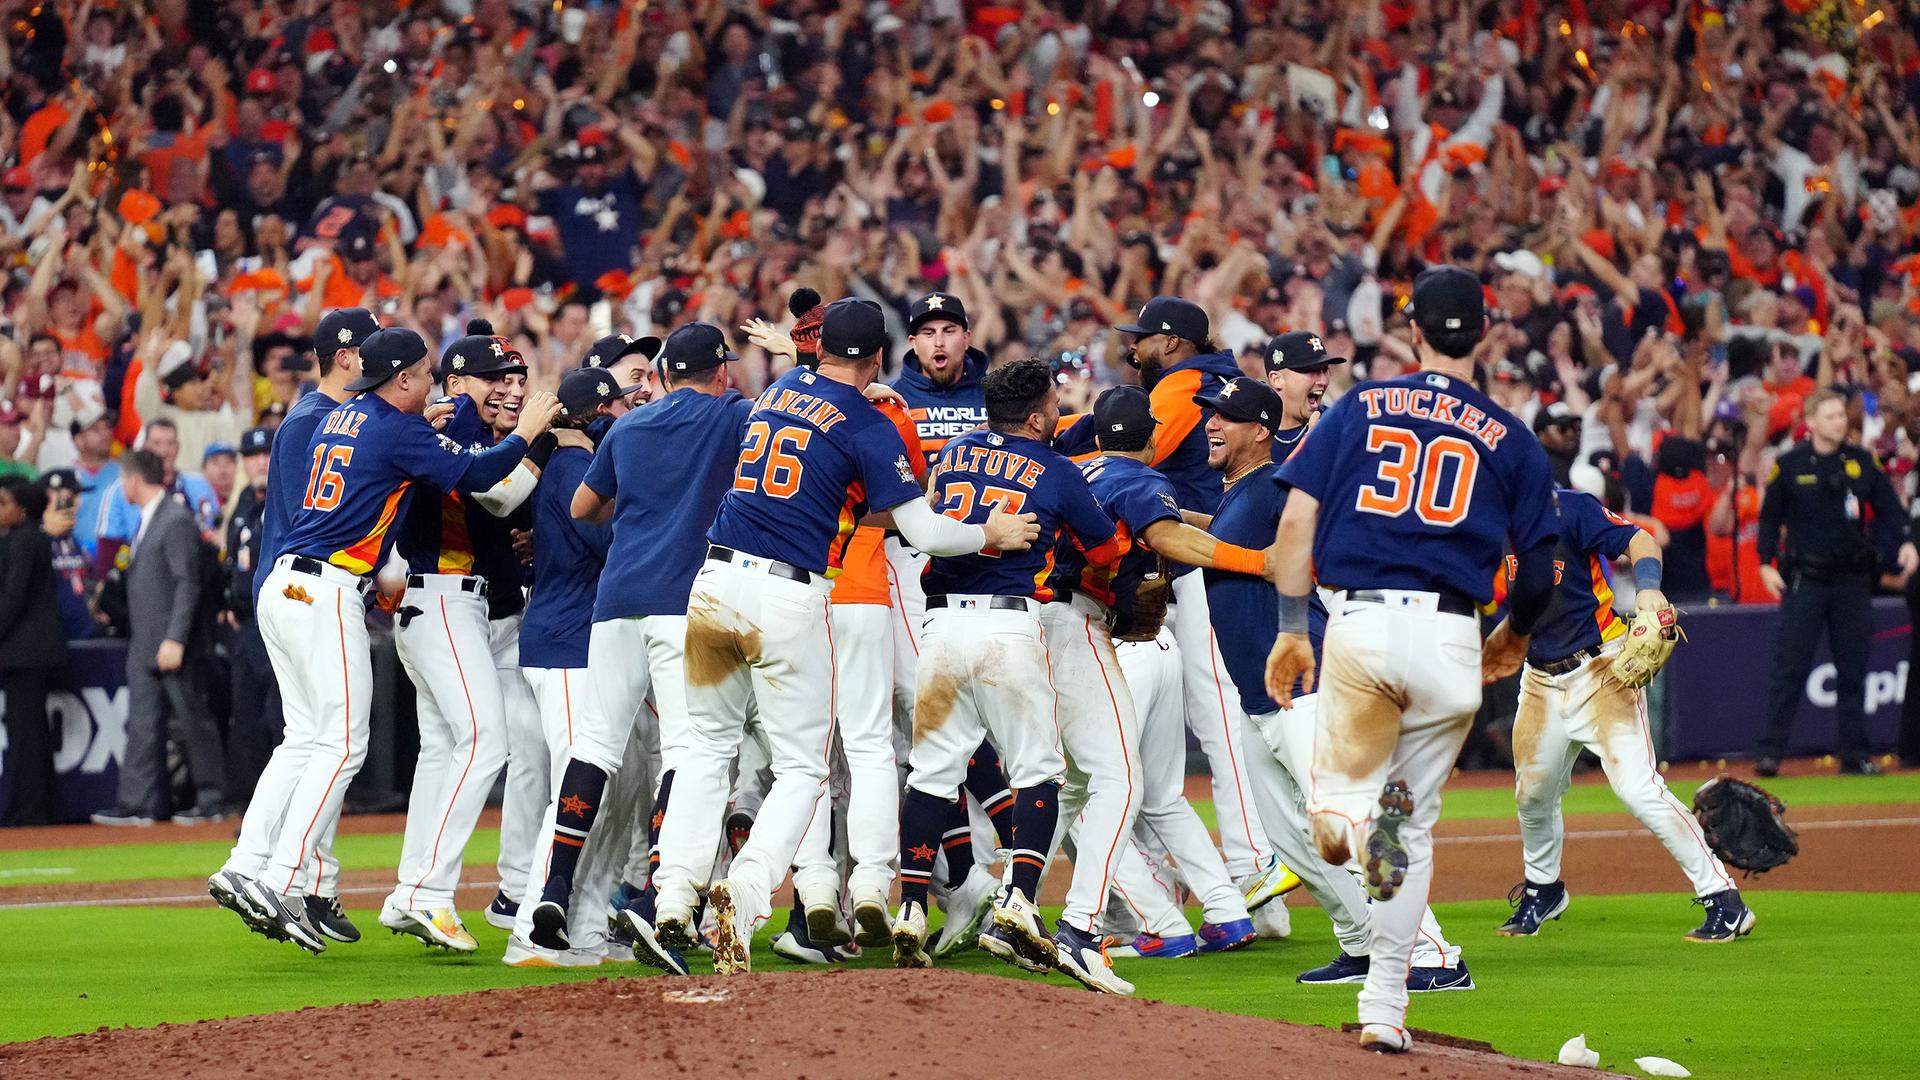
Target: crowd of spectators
{"points": [[1689, 214]]}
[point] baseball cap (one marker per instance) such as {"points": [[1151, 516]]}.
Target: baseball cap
{"points": [[355, 241], [604, 352], [1246, 401], [256, 440], [1447, 300], [343, 328], [1169, 315], [177, 367], [696, 346], [385, 354], [585, 389], [854, 328], [1123, 414], [1299, 351], [480, 353], [936, 305], [87, 419], [1557, 414], [19, 177], [214, 450], [1522, 262], [62, 480]]}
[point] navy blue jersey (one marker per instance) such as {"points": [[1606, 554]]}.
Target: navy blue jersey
{"points": [[363, 462], [1423, 482], [435, 534], [1286, 442], [287, 472], [984, 469], [1136, 498], [1245, 609], [567, 558], [1180, 435], [942, 413], [816, 456], [1580, 616], [666, 466]]}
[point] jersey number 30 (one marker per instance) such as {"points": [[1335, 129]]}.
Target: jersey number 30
{"points": [[325, 485], [1434, 480], [767, 461]]}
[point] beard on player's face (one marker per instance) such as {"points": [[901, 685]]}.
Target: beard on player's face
{"points": [[1233, 445]]}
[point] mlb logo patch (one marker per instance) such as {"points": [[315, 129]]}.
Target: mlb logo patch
{"points": [[967, 604]]}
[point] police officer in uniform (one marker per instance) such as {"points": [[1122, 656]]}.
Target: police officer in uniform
{"points": [[256, 725], [1843, 525]]}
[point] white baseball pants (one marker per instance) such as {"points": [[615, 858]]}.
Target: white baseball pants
{"points": [[1400, 688], [529, 777], [1588, 707], [753, 639], [1213, 712], [639, 684], [317, 642], [448, 653], [863, 707], [983, 669]]}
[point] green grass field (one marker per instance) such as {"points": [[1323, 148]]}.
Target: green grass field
{"points": [[1802, 997]]}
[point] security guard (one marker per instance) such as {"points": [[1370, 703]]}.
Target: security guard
{"points": [[1843, 525], [256, 725]]}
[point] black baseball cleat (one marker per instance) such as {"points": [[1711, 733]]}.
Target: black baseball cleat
{"points": [[1342, 969], [1532, 906], [289, 922], [1728, 917], [1434, 980], [1860, 767], [502, 912], [550, 926], [1385, 864], [325, 914], [1766, 765], [739, 827]]}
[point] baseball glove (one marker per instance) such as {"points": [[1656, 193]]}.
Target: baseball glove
{"points": [[1140, 616], [1651, 636], [1744, 824]]}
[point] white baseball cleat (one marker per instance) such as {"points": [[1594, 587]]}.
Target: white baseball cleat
{"points": [[525, 954], [730, 952], [440, 927], [967, 908], [824, 927], [1385, 1039], [871, 929], [1275, 880], [1273, 921], [1017, 916], [909, 937], [1081, 958]]}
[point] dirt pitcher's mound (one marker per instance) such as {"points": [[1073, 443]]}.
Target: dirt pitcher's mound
{"points": [[816, 1024]]}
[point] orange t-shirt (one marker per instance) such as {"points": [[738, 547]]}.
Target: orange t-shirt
{"points": [[1789, 399], [175, 169], [38, 130], [343, 292], [1747, 587], [863, 566]]}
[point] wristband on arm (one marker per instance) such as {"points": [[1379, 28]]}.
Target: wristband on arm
{"points": [[1646, 573], [1239, 560], [1293, 614]]}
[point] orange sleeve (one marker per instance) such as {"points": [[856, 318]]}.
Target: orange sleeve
{"points": [[863, 569], [1239, 560], [1175, 411], [909, 434]]}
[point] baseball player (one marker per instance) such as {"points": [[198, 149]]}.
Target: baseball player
{"points": [[1240, 434], [1144, 505], [658, 477], [1402, 502], [816, 458], [940, 381], [568, 556], [461, 574], [630, 361], [1570, 698], [1299, 369], [1177, 362], [1000, 652], [337, 340], [365, 457]]}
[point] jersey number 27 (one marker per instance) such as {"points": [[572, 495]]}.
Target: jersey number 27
{"points": [[1434, 479]]}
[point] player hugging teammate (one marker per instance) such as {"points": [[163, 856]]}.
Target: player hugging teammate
{"points": [[887, 593]]}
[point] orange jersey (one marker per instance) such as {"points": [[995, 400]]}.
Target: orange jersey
{"points": [[863, 566]]}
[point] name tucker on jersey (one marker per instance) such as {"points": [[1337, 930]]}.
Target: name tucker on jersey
{"points": [[1435, 405]]}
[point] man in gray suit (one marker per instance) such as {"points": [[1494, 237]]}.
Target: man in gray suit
{"points": [[164, 580]]}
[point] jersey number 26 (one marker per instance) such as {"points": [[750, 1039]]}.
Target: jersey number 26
{"points": [[767, 461], [1434, 480]]}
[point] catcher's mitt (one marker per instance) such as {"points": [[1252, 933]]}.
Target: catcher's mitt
{"points": [[1139, 617], [1651, 636], [1743, 824]]}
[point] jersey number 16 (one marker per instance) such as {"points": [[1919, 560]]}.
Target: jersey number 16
{"points": [[325, 485], [1434, 480]]}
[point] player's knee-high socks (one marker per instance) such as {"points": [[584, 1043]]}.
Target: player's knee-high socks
{"points": [[643, 902], [987, 783], [580, 790], [957, 841], [921, 816], [1036, 811]]}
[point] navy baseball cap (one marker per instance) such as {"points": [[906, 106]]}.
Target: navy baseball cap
{"points": [[1447, 300], [481, 355], [694, 347], [385, 354], [609, 349], [1246, 401], [256, 440], [936, 305], [356, 241], [855, 329], [1299, 351], [62, 480], [343, 328], [1123, 415], [584, 390], [1169, 315]]}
